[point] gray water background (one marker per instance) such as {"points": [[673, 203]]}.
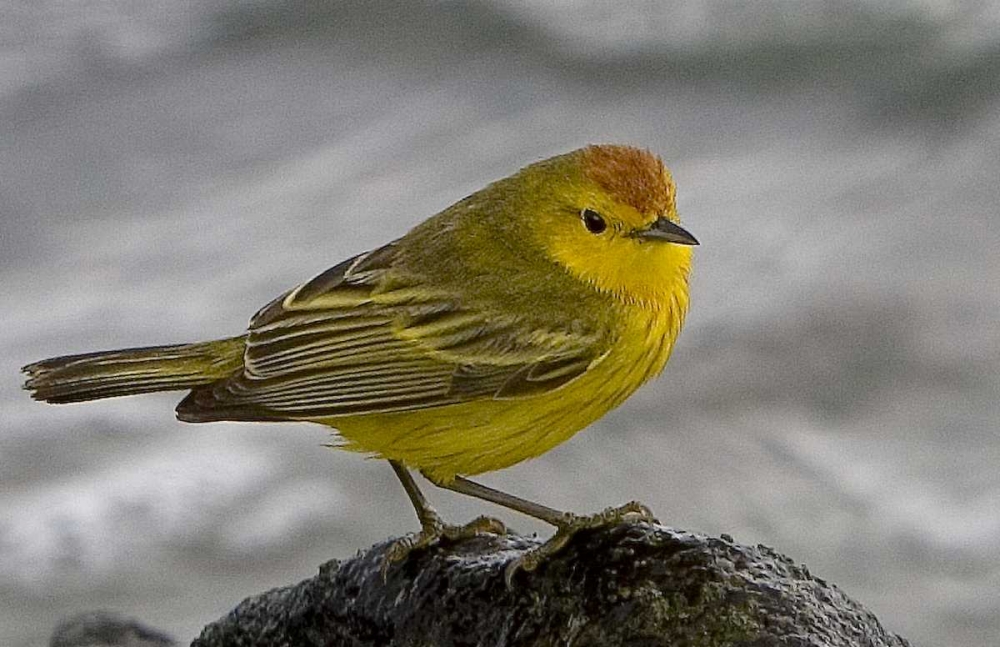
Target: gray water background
{"points": [[166, 169]]}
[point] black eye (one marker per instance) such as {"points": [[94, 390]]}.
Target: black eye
{"points": [[593, 221]]}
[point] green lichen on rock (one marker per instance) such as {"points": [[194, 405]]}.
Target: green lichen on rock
{"points": [[708, 621]]}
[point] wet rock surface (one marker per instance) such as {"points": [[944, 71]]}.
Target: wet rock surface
{"points": [[632, 584]]}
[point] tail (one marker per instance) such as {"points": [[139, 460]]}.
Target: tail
{"points": [[107, 374]]}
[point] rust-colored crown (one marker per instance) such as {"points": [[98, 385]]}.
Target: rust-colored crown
{"points": [[632, 176]]}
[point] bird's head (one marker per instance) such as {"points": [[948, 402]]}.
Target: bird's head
{"points": [[608, 215]]}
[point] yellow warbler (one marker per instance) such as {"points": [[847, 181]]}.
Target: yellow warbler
{"points": [[488, 334]]}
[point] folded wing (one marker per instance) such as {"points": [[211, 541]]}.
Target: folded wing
{"points": [[364, 338]]}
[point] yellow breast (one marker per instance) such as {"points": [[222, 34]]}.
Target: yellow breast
{"points": [[486, 435]]}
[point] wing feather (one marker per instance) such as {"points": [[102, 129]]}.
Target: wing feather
{"points": [[361, 338]]}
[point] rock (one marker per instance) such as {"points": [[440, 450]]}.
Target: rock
{"points": [[632, 584], [105, 629]]}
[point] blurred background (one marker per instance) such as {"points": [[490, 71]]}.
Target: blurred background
{"points": [[169, 168]]}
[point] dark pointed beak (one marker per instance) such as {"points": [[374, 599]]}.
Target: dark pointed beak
{"points": [[667, 230]]}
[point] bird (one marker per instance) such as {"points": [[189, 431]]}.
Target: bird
{"points": [[485, 336]]}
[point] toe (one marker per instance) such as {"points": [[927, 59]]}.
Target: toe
{"points": [[486, 525]]}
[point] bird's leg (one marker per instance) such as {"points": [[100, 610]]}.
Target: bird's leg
{"points": [[567, 523], [432, 528]]}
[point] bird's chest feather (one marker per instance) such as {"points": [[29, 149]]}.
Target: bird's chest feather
{"points": [[640, 351], [483, 436], [638, 354]]}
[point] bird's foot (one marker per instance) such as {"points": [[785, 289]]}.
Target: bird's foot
{"points": [[433, 530], [568, 526]]}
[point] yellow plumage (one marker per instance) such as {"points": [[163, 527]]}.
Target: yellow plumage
{"points": [[485, 435], [476, 437], [487, 335]]}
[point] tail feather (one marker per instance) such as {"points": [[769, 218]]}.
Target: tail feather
{"points": [[107, 374]]}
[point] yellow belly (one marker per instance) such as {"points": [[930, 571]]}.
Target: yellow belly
{"points": [[486, 435]]}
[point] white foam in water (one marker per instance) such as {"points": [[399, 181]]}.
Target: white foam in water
{"points": [[282, 513], [102, 522], [903, 500]]}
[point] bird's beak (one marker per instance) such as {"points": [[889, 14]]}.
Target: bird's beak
{"points": [[667, 230]]}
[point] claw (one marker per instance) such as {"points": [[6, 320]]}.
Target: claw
{"points": [[432, 531], [572, 524]]}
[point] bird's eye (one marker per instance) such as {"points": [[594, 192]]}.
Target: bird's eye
{"points": [[593, 221]]}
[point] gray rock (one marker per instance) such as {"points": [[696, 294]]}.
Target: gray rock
{"points": [[105, 629], [635, 584]]}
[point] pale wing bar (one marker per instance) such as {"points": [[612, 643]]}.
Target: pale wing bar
{"points": [[343, 344]]}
